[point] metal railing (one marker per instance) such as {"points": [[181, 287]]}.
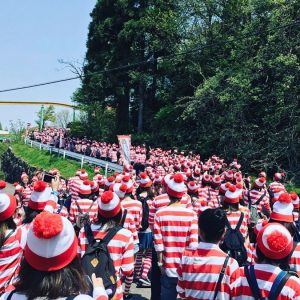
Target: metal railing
{"points": [[109, 167]]}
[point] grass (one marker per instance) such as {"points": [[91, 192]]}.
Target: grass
{"points": [[43, 160]]}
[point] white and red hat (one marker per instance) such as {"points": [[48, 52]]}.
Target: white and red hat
{"points": [[176, 187], [206, 178], [100, 179], [109, 204], [216, 180], [283, 209], [157, 179], [51, 242], [83, 175], [8, 204], [259, 182], [224, 187], [167, 179], [85, 188], [279, 176], [274, 241], [127, 168], [94, 186], [24, 175], [18, 188], [232, 195], [2, 186], [109, 181], [120, 189], [145, 181], [259, 226], [295, 200], [228, 175], [192, 187], [78, 172], [128, 182], [40, 196]]}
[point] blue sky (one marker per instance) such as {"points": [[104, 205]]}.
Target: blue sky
{"points": [[34, 34]]}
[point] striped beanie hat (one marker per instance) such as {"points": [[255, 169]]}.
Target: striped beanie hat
{"points": [[216, 180], [232, 195], [128, 182], [83, 175], [51, 242], [274, 241], [145, 181], [85, 188], [157, 179], [40, 196], [259, 182], [120, 189], [228, 175], [18, 188], [176, 187], [8, 204], [224, 187], [283, 209], [109, 181], [192, 187], [109, 204], [206, 178], [295, 200], [2, 186], [279, 176]]}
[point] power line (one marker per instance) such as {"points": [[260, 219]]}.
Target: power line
{"points": [[129, 66]]}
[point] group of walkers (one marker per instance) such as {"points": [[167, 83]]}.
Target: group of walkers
{"points": [[181, 226]]}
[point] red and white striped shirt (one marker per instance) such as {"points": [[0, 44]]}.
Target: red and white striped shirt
{"points": [[199, 271], [233, 219], [61, 210], [265, 275], [213, 198], [175, 228], [136, 210], [10, 258], [277, 187], [26, 195], [86, 206], [162, 201], [255, 195], [129, 224], [120, 249], [74, 188]]}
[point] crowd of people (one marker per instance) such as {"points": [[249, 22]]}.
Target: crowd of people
{"points": [[181, 226]]}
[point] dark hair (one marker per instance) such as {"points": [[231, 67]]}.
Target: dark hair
{"points": [[230, 206], [110, 222], [81, 196], [212, 224], [30, 214], [173, 199], [4, 226], [261, 258], [288, 225], [149, 190], [53, 284]]}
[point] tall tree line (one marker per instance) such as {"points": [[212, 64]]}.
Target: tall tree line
{"points": [[211, 76]]}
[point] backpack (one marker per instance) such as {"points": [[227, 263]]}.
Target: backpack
{"points": [[97, 259], [233, 243], [277, 285], [254, 215], [297, 234], [145, 219], [82, 218]]}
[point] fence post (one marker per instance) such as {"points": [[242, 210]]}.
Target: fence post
{"points": [[40, 146], [50, 149], [31, 144], [25, 141], [106, 167], [82, 158], [64, 154]]}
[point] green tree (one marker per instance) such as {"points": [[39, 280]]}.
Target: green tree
{"points": [[48, 115]]}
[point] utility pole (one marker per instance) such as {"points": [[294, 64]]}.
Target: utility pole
{"points": [[42, 118]]}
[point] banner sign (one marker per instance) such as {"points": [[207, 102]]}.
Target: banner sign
{"points": [[125, 144]]}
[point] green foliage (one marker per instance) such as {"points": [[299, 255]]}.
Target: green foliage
{"points": [[48, 115], [3, 148]]}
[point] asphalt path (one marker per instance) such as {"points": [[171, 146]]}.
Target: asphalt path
{"points": [[138, 293]]}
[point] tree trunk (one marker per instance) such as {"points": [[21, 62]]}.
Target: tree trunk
{"points": [[141, 106], [122, 121]]}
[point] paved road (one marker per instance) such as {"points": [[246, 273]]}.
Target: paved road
{"points": [[139, 293]]}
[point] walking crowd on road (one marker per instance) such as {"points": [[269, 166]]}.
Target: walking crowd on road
{"points": [[186, 228]]}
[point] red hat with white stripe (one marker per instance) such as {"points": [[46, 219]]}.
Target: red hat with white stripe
{"points": [[224, 187], [176, 187], [2, 186], [120, 189], [228, 175], [83, 175], [206, 178], [85, 188], [157, 179], [192, 187], [18, 188], [274, 241], [259, 182], [283, 209], [259, 226], [78, 172], [216, 180], [24, 175], [128, 182], [8, 205], [279, 176], [295, 200], [109, 181], [40, 196], [94, 186], [232, 195], [51, 204], [145, 181], [109, 204], [51, 242]]}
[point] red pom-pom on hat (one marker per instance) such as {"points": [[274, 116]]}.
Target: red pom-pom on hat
{"points": [[87, 182], [126, 178], [192, 183], [16, 183], [107, 197], [232, 188], [178, 178], [285, 197], [277, 241], [143, 175], [294, 196], [40, 186], [123, 188], [239, 186], [2, 184], [111, 179], [47, 225], [227, 185], [82, 171], [262, 180]]}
